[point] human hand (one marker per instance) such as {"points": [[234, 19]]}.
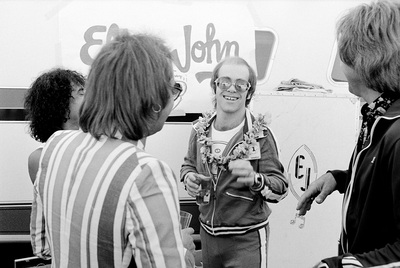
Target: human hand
{"points": [[317, 190], [187, 239], [192, 182], [190, 260], [243, 170], [266, 192]]}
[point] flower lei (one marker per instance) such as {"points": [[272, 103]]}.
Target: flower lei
{"points": [[241, 151]]}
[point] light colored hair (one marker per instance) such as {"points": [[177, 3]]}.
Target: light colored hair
{"points": [[369, 42], [237, 61], [128, 83]]}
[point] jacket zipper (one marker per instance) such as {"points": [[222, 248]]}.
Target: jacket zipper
{"points": [[217, 179], [239, 196]]}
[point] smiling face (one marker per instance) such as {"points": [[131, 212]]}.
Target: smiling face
{"points": [[231, 101]]}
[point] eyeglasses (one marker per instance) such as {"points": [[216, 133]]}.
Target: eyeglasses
{"points": [[179, 90], [224, 83]]}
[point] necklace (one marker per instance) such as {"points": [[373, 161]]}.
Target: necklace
{"points": [[241, 151]]}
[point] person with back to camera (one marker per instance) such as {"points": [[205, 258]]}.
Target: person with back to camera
{"points": [[52, 103], [99, 199], [369, 48], [237, 154]]}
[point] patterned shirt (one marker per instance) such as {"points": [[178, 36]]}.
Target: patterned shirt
{"points": [[370, 112], [104, 203]]}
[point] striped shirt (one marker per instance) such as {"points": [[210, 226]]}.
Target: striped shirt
{"points": [[104, 203]]}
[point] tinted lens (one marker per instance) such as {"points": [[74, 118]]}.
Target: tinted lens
{"points": [[178, 86], [241, 85], [224, 83], [177, 90]]}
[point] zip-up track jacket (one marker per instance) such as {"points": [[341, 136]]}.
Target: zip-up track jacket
{"points": [[371, 206], [233, 208]]}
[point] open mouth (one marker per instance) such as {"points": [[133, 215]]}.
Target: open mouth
{"points": [[229, 98]]}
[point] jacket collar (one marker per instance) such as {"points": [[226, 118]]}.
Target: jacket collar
{"points": [[248, 120], [394, 110]]}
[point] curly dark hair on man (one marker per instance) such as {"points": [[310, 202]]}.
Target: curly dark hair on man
{"points": [[47, 101]]}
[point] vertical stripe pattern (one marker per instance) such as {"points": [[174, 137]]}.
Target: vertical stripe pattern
{"points": [[102, 203], [263, 234]]}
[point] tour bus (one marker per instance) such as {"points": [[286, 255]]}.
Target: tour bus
{"points": [[291, 45]]}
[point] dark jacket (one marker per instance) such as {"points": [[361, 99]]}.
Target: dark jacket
{"points": [[234, 209], [371, 206]]}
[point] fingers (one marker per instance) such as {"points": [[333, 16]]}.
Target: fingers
{"points": [[314, 192], [188, 231], [248, 180], [192, 184], [306, 200], [306, 206], [187, 239], [304, 203], [328, 186], [266, 192], [202, 177], [319, 190], [190, 246], [321, 197], [240, 168], [243, 170]]}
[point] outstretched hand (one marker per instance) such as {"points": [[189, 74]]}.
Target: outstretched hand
{"points": [[318, 191]]}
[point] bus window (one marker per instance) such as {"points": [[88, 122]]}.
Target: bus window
{"points": [[264, 53], [335, 74], [12, 104]]}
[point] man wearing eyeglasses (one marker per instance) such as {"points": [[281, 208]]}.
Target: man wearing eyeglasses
{"points": [[179, 91], [236, 154]]}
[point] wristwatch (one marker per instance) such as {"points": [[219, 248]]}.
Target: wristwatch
{"points": [[185, 178], [258, 182]]}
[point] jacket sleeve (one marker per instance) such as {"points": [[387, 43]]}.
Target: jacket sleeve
{"points": [[340, 177], [272, 169], [383, 257], [346, 260], [190, 160], [389, 255]]}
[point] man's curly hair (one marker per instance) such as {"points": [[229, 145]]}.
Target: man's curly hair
{"points": [[47, 101]]}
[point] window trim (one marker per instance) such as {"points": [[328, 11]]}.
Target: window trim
{"points": [[273, 53], [332, 60]]}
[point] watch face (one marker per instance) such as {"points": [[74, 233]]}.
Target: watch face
{"points": [[258, 178], [258, 181]]}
